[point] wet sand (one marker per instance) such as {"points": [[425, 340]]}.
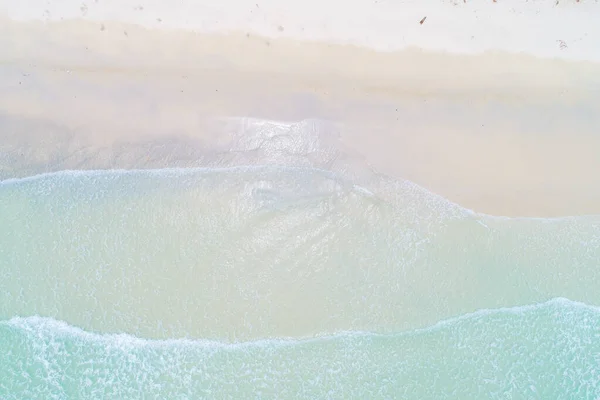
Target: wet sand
{"points": [[498, 133]]}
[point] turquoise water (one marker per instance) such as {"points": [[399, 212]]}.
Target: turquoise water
{"points": [[281, 282], [548, 351]]}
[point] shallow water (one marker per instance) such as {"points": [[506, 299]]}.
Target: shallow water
{"points": [[285, 279]]}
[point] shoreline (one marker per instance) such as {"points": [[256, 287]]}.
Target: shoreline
{"points": [[483, 131], [193, 169]]}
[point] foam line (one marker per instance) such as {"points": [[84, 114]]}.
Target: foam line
{"points": [[35, 324], [179, 171]]}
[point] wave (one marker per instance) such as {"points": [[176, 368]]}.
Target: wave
{"points": [[183, 171], [246, 247], [37, 324], [546, 350]]}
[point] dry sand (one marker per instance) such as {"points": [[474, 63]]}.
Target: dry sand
{"points": [[498, 133]]}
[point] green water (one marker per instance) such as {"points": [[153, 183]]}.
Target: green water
{"points": [[104, 273]]}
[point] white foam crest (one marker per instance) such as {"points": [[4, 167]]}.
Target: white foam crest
{"points": [[557, 302], [37, 326], [160, 172]]}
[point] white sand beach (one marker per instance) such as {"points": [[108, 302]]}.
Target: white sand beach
{"points": [[504, 123], [365, 199]]}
